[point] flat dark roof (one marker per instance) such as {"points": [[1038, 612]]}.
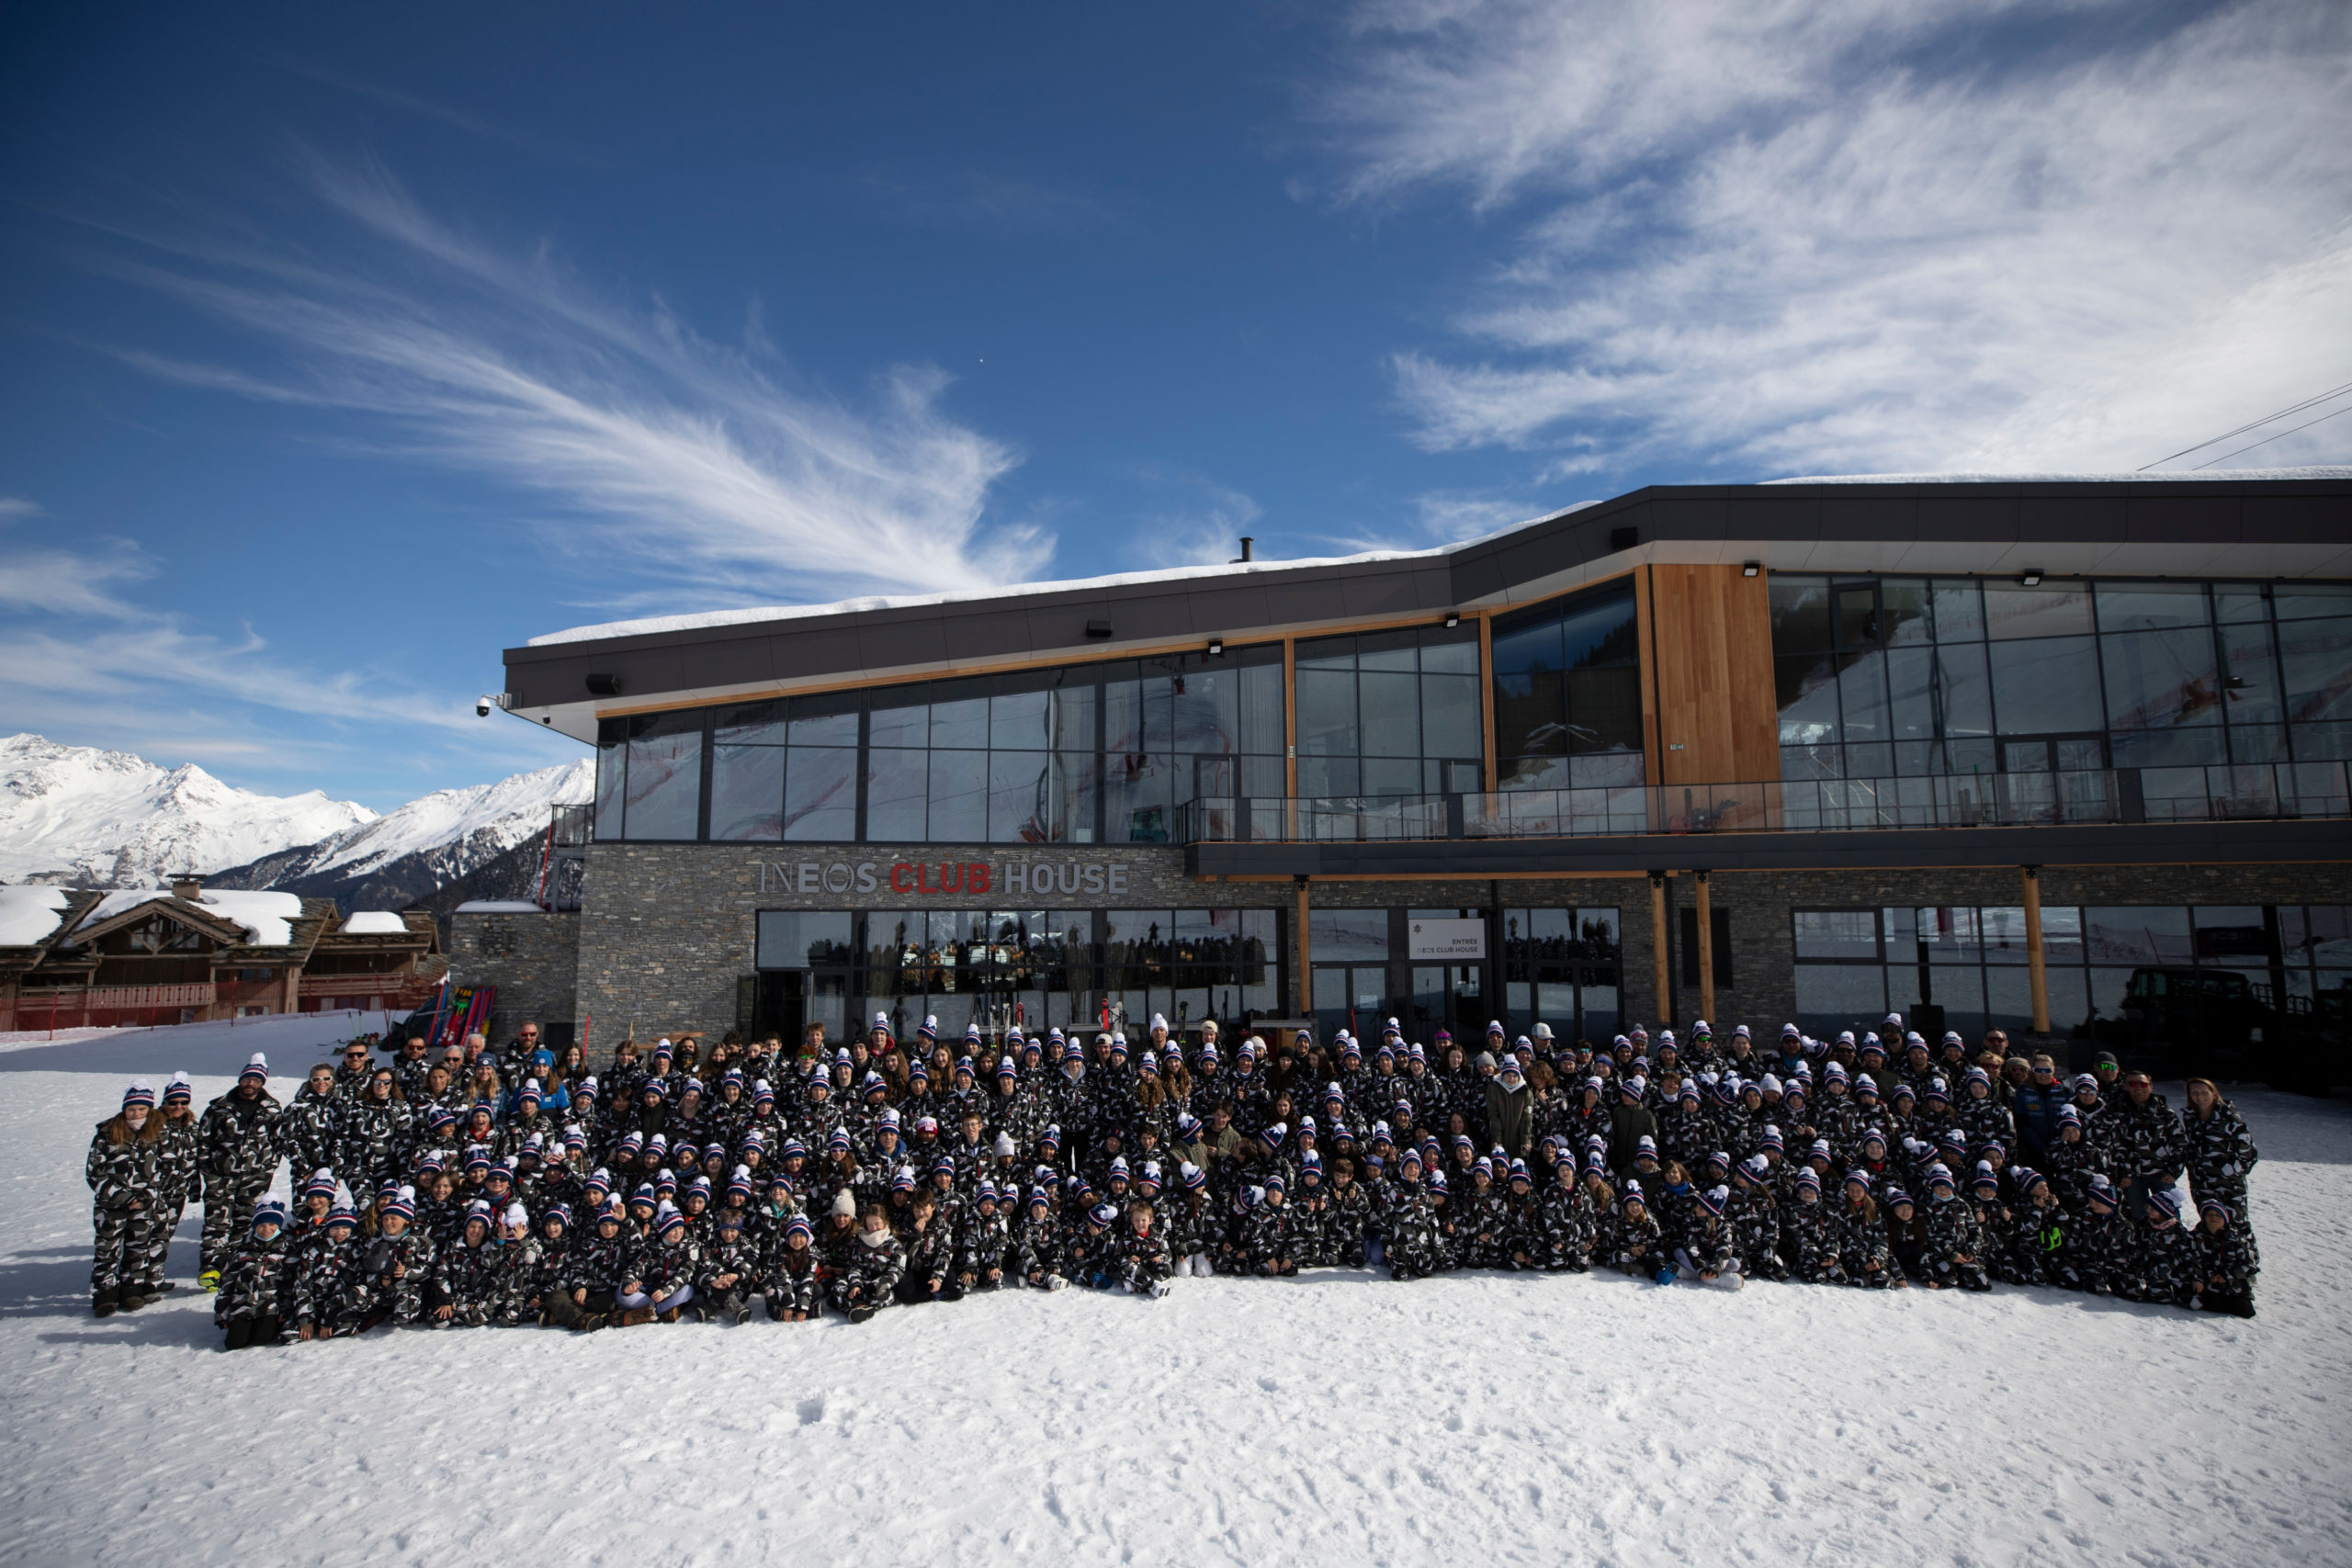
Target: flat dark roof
{"points": [[2150, 526]]}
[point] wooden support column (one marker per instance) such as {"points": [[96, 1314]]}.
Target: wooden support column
{"points": [[1305, 972], [2038, 975], [1657, 948], [1707, 953]]}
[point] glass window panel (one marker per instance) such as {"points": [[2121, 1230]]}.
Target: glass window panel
{"points": [[1855, 609], [2318, 659], [1599, 629], [1393, 651], [1861, 698], [1159, 713], [901, 726], [2321, 742], [803, 940], [2161, 679], [1831, 996], [1522, 648], [2150, 606], [1017, 721], [2137, 934], [1800, 614], [1327, 714], [822, 729], [1902, 602], [1450, 653], [753, 724], [1452, 723], [1837, 934], [1208, 712], [1610, 770], [1327, 653], [1330, 775], [1530, 713], [2108, 988], [2070, 1003], [2195, 748], [1911, 680], [962, 723], [2249, 675], [821, 794], [1959, 990], [1391, 712], [1521, 773], [2001, 928], [1960, 611], [2053, 609], [1964, 691], [612, 765], [2239, 602], [897, 784], [1806, 690], [1347, 935], [1950, 934], [1604, 710], [2257, 742], [2009, 1001], [2045, 685], [2061, 934], [2302, 600], [664, 791], [1023, 797], [894, 939], [1137, 798], [1122, 714], [1261, 709], [2327, 939], [747, 794], [959, 796], [1391, 776]]}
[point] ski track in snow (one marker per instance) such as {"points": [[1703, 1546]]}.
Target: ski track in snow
{"points": [[1472, 1419]]}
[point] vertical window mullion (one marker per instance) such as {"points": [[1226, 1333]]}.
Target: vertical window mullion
{"points": [[865, 750]]}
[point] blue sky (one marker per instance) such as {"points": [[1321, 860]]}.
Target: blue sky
{"points": [[344, 347]]}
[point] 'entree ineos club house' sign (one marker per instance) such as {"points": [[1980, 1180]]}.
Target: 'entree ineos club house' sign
{"points": [[932, 879]]}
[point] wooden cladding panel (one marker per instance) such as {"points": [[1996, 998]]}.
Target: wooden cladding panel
{"points": [[1709, 657]]}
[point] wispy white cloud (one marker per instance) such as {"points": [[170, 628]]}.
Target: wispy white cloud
{"points": [[1913, 234], [90, 663], [679, 458], [1202, 529]]}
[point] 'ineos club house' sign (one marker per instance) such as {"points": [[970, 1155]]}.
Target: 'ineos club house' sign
{"points": [[943, 878], [1453, 941]]}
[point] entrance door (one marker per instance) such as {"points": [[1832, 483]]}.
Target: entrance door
{"points": [[1353, 996], [781, 1005]]}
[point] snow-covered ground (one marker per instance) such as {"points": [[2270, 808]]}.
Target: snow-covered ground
{"points": [[1472, 1420]]}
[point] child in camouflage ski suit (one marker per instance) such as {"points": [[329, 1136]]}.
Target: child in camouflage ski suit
{"points": [[125, 1170]]}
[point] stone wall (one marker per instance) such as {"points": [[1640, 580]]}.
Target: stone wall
{"points": [[669, 929], [534, 960]]}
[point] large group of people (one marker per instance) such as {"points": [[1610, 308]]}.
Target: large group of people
{"points": [[691, 1178]]}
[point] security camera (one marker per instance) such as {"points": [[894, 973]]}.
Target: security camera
{"points": [[482, 705]]}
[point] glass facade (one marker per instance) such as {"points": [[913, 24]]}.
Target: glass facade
{"points": [[1970, 963], [1084, 755], [1568, 693], [1390, 713], [1561, 967], [1886, 677], [1037, 969]]}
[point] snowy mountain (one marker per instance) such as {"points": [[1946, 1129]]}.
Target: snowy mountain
{"points": [[79, 816], [445, 838]]}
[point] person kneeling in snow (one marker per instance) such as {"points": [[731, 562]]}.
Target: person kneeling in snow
{"points": [[1708, 1253], [1148, 1265], [793, 1279], [728, 1264], [253, 1286], [864, 1287], [662, 1276], [2223, 1262]]}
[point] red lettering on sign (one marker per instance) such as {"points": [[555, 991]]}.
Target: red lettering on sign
{"points": [[976, 878], [896, 884], [947, 886]]}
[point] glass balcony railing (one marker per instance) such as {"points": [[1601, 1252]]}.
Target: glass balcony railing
{"points": [[2270, 792]]}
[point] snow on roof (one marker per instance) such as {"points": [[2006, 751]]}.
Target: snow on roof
{"points": [[2321, 471], [499, 906], [701, 619], [375, 922], [265, 916], [28, 914]]}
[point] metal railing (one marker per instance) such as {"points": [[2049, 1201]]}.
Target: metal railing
{"points": [[2263, 792]]}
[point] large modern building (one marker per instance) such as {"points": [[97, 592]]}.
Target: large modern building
{"points": [[2065, 754]]}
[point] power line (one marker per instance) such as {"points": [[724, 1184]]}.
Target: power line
{"points": [[2268, 439], [2288, 411]]}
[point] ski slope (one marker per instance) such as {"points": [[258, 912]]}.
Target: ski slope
{"points": [[1471, 1419]]}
